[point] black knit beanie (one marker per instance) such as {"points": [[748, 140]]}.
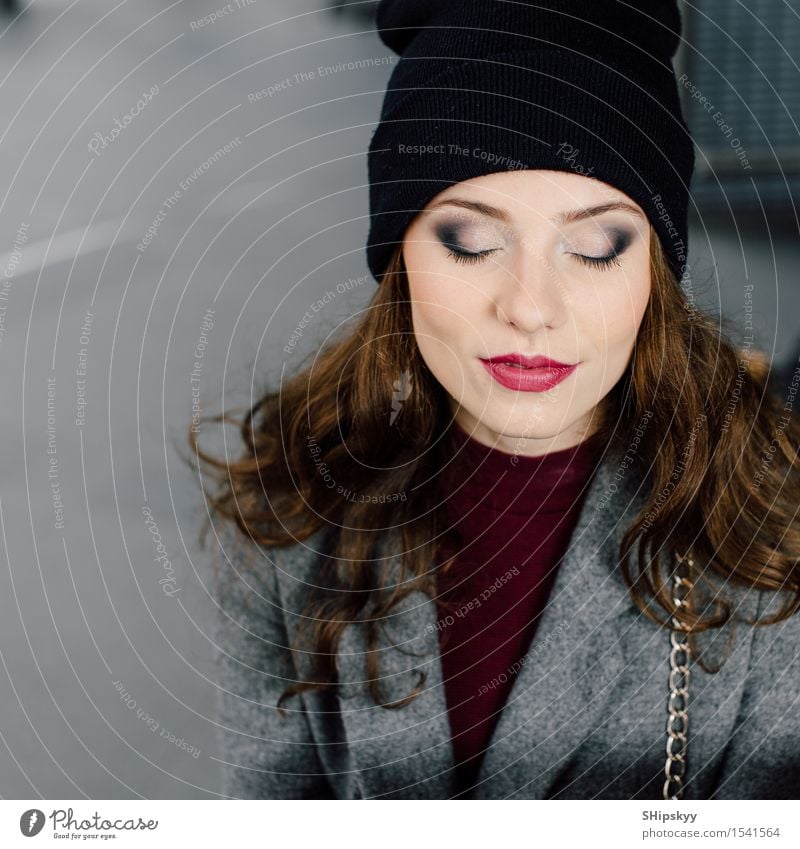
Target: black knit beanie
{"points": [[584, 86]]}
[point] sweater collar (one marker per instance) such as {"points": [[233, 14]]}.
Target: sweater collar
{"points": [[478, 474]]}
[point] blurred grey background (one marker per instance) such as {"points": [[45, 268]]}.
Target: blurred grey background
{"points": [[180, 183]]}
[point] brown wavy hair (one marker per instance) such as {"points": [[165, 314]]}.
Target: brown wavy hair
{"points": [[720, 453]]}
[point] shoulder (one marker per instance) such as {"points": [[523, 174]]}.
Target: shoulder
{"points": [[771, 687], [763, 751], [247, 574], [776, 646], [243, 586]]}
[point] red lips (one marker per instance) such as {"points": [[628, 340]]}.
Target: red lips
{"points": [[538, 361], [536, 374]]}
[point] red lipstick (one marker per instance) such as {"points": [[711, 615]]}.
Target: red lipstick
{"points": [[527, 374]]}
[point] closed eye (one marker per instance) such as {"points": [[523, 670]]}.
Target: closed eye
{"points": [[598, 261], [468, 257]]}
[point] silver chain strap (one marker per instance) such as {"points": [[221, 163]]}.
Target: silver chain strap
{"points": [[678, 704]]}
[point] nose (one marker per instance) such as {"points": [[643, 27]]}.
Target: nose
{"points": [[531, 295]]}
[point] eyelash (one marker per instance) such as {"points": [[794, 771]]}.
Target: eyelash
{"points": [[465, 257], [592, 262], [600, 261]]}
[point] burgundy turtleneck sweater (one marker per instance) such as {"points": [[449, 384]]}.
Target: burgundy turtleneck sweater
{"points": [[516, 521]]}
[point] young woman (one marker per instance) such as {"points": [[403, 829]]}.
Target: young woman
{"points": [[527, 528]]}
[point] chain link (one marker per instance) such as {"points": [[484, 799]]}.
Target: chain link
{"points": [[678, 703]]}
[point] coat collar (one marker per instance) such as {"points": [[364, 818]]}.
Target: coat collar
{"points": [[564, 683]]}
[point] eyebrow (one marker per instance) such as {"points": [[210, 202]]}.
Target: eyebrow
{"points": [[562, 219]]}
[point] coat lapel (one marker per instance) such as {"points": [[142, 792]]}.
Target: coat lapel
{"points": [[401, 752], [561, 692]]}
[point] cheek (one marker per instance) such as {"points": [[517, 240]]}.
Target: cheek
{"points": [[441, 305], [431, 308], [435, 323], [613, 314], [444, 316]]}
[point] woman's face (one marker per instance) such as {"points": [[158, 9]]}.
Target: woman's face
{"points": [[521, 262]]}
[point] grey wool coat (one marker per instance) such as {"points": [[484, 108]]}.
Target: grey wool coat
{"points": [[585, 718]]}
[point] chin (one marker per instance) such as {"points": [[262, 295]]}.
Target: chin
{"points": [[520, 426], [537, 433]]}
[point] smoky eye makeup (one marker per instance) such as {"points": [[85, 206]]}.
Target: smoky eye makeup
{"points": [[598, 247], [616, 241], [464, 243], [466, 235]]}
